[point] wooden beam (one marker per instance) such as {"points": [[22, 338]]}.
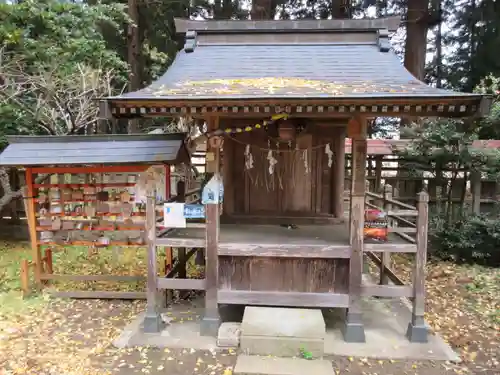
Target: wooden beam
{"points": [[294, 299], [386, 256], [285, 251], [417, 331], [475, 182], [29, 197], [152, 320], [388, 291], [180, 242], [121, 278], [390, 247], [175, 270], [354, 331], [339, 172], [392, 276], [181, 284], [211, 320], [98, 295], [228, 166], [92, 169]]}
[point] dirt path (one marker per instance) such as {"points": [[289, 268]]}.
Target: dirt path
{"points": [[71, 337], [74, 337]]}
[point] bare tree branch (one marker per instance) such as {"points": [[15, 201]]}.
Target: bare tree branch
{"points": [[54, 100]]}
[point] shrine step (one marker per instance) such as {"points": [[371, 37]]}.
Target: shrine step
{"points": [[257, 365], [282, 332]]}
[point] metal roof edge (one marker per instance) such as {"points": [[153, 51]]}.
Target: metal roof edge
{"points": [[452, 95], [95, 138], [247, 26]]}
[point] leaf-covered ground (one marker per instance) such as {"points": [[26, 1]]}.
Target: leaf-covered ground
{"points": [[45, 336]]}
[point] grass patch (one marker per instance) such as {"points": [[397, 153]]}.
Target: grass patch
{"points": [[74, 260], [11, 301]]}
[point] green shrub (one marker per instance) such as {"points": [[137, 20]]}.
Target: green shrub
{"points": [[467, 239]]}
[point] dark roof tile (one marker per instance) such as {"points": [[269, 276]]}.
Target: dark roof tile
{"points": [[336, 70], [99, 149]]}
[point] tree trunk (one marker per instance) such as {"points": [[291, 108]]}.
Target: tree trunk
{"points": [[134, 57], [8, 194], [416, 37], [223, 9], [472, 48], [340, 9], [417, 17], [439, 50], [262, 10]]}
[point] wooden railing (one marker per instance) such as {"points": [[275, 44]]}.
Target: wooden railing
{"points": [[401, 215], [411, 224], [175, 267]]}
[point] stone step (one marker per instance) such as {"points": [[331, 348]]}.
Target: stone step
{"points": [[257, 365], [282, 332]]}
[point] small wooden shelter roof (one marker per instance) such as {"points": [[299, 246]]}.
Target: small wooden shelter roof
{"points": [[335, 62], [94, 149]]}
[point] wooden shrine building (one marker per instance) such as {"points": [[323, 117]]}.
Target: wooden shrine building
{"points": [[278, 99]]}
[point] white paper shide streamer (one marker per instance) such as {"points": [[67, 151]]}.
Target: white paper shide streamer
{"points": [[329, 153], [306, 163], [248, 158], [272, 161]]}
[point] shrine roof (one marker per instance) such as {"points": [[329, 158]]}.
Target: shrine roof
{"points": [[94, 149], [337, 61]]}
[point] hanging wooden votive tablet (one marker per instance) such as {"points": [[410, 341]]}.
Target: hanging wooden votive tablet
{"points": [[56, 209], [126, 210], [90, 210], [67, 194], [89, 190], [55, 195], [45, 222], [102, 207], [68, 225], [56, 223], [46, 236], [78, 210], [115, 208], [102, 196], [125, 196], [103, 241], [137, 240], [77, 195]]}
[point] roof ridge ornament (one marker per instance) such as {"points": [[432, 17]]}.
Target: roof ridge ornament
{"points": [[383, 42], [190, 43]]}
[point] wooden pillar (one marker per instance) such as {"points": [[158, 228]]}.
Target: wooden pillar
{"points": [[181, 251], [475, 183], [227, 171], [417, 329], [353, 329], [211, 319], [378, 173], [168, 250], [152, 320], [339, 171], [29, 196], [386, 256]]}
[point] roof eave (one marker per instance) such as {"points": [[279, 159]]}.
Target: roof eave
{"points": [[274, 26], [248, 100]]}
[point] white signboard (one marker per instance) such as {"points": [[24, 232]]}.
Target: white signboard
{"points": [[173, 214]]}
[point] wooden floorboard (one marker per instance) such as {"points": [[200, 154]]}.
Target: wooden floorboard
{"points": [[293, 299]]}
